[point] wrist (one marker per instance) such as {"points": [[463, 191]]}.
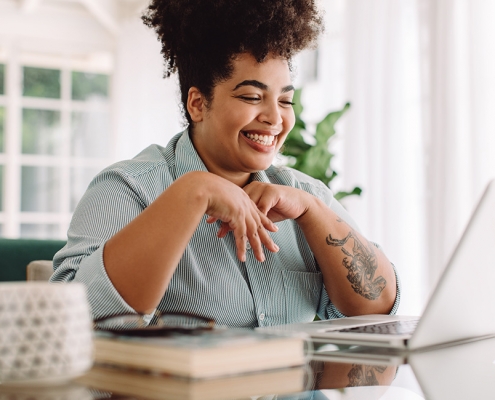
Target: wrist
{"points": [[196, 186], [310, 204]]}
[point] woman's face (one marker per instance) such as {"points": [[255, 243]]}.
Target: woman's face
{"points": [[248, 119]]}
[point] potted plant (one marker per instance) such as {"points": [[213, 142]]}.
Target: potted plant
{"points": [[314, 159]]}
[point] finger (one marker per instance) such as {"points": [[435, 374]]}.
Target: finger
{"points": [[265, 204], [267, 223], [211, 220], [264, 196], [240, 244], [239, 230], [223, 230], [255, 241], [267, 240], [259, 236]]}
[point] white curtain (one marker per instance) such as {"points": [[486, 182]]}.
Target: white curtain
{"points": [[460, 128], [420, 135]]}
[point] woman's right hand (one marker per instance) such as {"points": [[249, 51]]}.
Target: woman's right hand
{"points": [[231, 205]]}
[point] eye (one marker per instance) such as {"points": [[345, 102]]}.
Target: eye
{"points": [[249, 98], [286, 103]]}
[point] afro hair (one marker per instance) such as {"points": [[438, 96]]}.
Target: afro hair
{"points": [[200, 38]]}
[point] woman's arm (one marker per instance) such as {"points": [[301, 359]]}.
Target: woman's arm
{"points": [[141, 258], [358, 277]]}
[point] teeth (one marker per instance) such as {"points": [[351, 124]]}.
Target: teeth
{"points": [[266, 140]]}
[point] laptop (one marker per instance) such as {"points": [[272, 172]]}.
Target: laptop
{"points": [[461, 307]]}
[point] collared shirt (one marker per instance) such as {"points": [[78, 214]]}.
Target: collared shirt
{"points": [[209, 279]]}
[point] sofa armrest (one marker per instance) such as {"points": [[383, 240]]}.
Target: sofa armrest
{"points": [[39, 270]]}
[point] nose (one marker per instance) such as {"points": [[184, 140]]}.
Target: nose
{"points": [[270, 114]]}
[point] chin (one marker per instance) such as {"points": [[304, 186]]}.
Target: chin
{"points": [[261, 167]]}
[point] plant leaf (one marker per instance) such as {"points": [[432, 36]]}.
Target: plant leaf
{"points": [[326, 128], [294, 144], [298, 107], [354, 192], [315, 162]]}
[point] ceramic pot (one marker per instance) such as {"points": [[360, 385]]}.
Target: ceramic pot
{"points": [[45, 332]]}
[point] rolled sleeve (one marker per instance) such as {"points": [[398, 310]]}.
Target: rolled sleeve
{"points": [[104, 299], [109, 204]]}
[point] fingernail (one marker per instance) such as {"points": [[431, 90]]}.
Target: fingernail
{"points": [[276, 247], [262, 257]]}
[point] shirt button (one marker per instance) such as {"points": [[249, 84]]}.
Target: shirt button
{"points": [[262, 317]]}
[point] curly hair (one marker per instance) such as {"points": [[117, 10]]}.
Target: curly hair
{"points": [[200, 38]]}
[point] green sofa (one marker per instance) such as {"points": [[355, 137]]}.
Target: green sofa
{"points": [[16, 254]]}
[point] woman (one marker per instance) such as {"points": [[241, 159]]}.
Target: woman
{"points": [[207, 225]]}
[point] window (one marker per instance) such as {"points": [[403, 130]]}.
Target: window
{"points": [[55, 135]]}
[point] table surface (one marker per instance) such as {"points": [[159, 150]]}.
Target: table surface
{"points": [[465, 371]]}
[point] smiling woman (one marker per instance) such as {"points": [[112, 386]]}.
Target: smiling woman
{"points": [[206, 225]]}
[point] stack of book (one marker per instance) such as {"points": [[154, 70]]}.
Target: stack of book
{"points": [[216, 364], [111, 381]]}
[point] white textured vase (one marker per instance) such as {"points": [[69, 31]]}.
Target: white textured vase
{"points": [[45, 332]]}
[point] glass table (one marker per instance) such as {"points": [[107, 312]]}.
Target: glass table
{"points": [[464, 371]]}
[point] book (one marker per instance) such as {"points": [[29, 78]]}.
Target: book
{"points": [[58, 391], [112, 381], [202, 355]]}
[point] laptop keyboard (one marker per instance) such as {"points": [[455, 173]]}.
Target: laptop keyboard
{"points": [[387, 328]]}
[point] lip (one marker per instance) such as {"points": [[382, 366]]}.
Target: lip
{"points": [[259, 147]]}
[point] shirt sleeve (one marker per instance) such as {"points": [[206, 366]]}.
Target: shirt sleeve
{"points": [[110, 203]]}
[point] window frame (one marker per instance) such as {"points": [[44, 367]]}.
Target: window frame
{"points": [[12, 159]]}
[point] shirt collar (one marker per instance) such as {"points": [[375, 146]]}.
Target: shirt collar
{"points": [[187, 158]]}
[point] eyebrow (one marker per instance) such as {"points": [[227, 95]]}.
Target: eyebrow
{"points": [[260, 85]]}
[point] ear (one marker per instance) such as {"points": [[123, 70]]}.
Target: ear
{"points": [[195, 104]]}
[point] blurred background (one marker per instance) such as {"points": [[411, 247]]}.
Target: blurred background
{"points": [[81, 87]]}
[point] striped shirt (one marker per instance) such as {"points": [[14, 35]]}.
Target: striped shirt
{"points": [[209, 280]]}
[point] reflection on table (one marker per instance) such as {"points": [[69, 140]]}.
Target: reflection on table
{"points": [[464, 371]]}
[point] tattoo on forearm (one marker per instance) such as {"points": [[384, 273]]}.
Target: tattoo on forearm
{"points": [[364, 375], [361, 265]]}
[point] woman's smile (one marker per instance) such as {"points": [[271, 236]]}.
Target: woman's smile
{"points": [[261, 141]]}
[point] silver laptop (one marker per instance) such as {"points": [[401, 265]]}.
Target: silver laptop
{"points": [[461, 307]]}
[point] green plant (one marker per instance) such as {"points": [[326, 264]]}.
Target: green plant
{"points": [[314, 159]]}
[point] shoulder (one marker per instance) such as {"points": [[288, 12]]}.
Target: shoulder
{"points": [[151, 158], [148, 161], [149, 173]]}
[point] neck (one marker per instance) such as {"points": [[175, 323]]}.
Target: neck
{"points": [[238, 178]]}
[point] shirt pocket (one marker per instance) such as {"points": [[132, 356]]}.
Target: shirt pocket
{"points": [[302, 294]]}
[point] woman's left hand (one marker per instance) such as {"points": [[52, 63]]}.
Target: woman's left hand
{"points": [[278, 202]]}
